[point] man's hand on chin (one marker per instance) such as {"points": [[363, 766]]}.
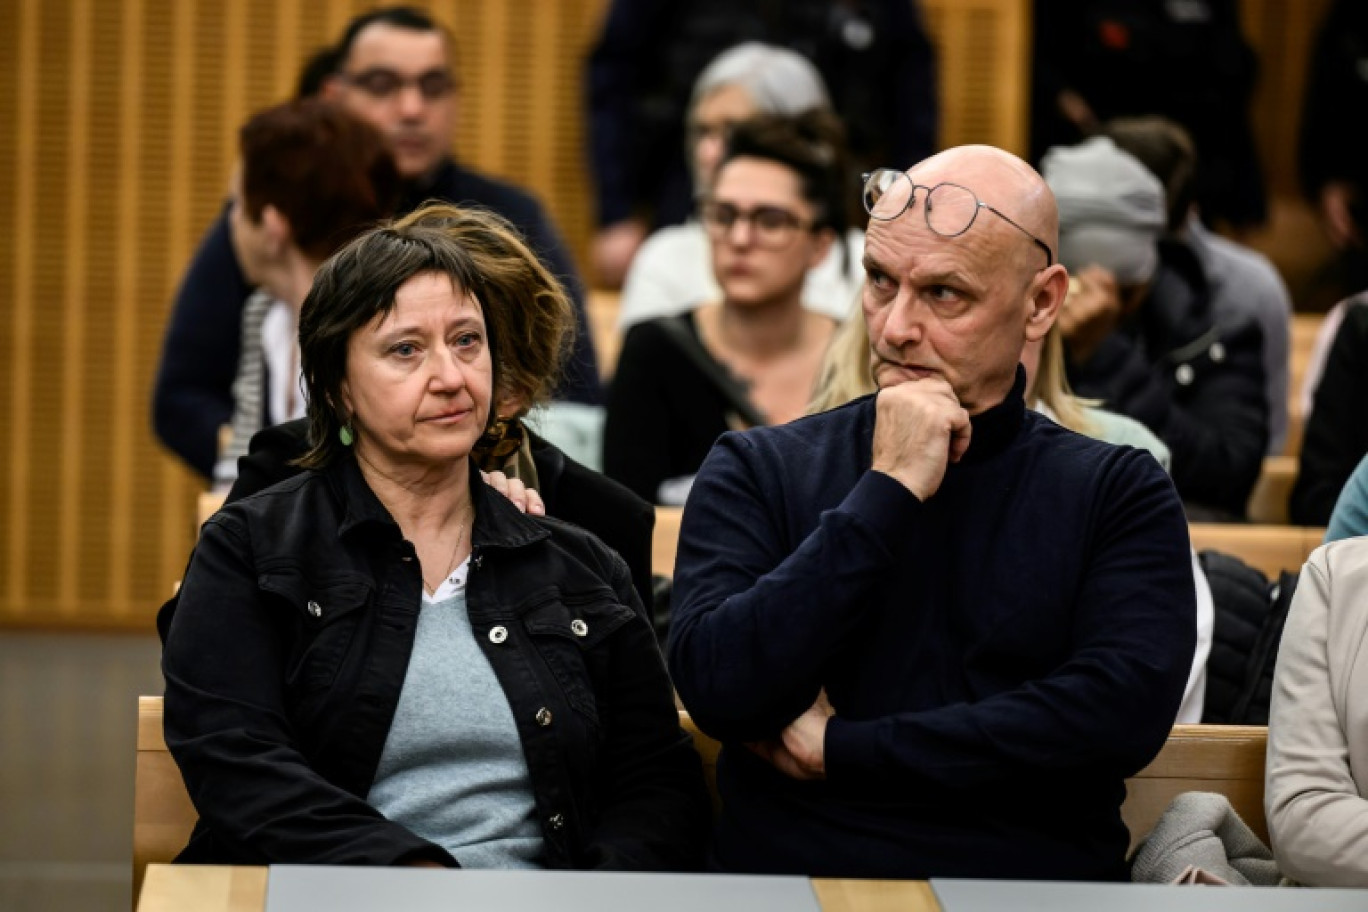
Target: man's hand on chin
{"points": [[800, 750], [919, 429]]}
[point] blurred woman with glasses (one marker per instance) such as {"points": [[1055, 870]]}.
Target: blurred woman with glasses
{"points": [[773, 210]]}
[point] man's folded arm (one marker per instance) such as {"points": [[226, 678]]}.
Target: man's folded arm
{"points": [[1109, 706], [753, 625]]}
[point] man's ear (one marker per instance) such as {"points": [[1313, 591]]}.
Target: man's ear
{"points": [[1047, 292], [331, 89], [277, 228]]}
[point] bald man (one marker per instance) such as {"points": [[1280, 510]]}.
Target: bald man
{"points": [[934, 631]]}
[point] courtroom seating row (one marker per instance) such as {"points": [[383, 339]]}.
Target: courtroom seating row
{"points": [[1268, 548], [1213, 758], [1268, 502]]}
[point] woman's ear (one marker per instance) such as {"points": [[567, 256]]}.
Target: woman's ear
{"points": [[343, 407], [511, 404], [1046, 292]]}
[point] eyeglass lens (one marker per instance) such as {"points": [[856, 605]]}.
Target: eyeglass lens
{"points": [[383, 83], [771, 223], [950, 208]]}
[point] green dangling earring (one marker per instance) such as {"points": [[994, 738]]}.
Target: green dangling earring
{"points": [[346, 434]]}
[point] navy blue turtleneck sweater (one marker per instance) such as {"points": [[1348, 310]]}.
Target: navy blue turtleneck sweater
{"points": [[1000, 657]]}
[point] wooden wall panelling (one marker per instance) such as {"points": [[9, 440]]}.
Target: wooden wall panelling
{"points": [[119, 124], [117, 134], [1281, 34], [16, 250], [983, 50]]}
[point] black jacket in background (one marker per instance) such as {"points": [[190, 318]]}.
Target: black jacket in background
{"points": [[1198, 386], [193, 395], [1334, 128], [285, 663], [1187, 61], [1250, 615], [1336, 436], [571, 492]]}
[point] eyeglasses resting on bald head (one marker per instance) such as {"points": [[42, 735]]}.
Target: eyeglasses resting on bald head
{"points": [[950, 209]]}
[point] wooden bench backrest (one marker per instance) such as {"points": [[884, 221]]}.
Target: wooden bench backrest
{"points": [[1269, 500], [665, 540], [1270, 549], [162, 813], [207, 505], [1201, 758]]}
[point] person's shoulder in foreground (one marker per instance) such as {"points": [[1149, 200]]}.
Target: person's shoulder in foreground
{"points": [[1316, 793]]}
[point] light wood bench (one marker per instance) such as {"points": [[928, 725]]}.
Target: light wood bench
{"points": [[1270, 549], [601, 308], [162, 813], [209, 503], [1305, 329], [665, 540], [1268, 501], [1201, 758]]}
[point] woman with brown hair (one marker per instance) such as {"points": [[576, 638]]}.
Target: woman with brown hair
{"points": [[536, 327], [382, 661]]}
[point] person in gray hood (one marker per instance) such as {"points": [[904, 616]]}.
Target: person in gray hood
{"points": [[1140, 334]]}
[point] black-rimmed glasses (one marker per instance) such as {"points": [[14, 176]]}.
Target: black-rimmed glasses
{"points": [[950, 208], [772, 226], [384, 84]]}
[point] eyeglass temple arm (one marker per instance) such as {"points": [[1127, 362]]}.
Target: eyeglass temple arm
{"points": [[1049, 254]]}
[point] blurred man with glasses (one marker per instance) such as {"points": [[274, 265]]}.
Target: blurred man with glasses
{"points": [[393, 69], [935, 631]]}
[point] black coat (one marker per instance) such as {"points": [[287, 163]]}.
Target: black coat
{"points": [[1199, 386], [286, 659], [1336, 437]]}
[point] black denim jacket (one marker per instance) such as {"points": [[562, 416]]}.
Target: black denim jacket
{"points": [[286, 656]]}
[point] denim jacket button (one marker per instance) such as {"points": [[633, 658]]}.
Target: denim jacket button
{"points": [[557, 821], [315, 609], [543, 717], [498, 634], [579, 628]]}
